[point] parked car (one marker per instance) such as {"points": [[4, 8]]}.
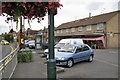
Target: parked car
{"points": [[70, 54], [64, 42], [31, 45], [29, 42], [4, 42], [25, 41]]}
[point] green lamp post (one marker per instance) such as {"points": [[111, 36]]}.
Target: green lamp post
{"points": [[51, 63]]}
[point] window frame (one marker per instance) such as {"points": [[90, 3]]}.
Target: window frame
{"points": [[61, 31], [100, 26], [72, 29], [89, 27], [67, 30], [58, 31], [80, 28]]}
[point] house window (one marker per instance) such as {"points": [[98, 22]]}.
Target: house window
{"points": [[57, 31], [61, 31], [67, 30], [89, 28], [72, 29], [80, 28], [100, 26]]}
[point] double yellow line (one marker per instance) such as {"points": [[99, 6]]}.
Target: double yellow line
{"points": [[8, 59]]}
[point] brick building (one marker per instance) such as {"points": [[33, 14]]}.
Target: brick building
{"points": [[100, 30], [31, 34]]}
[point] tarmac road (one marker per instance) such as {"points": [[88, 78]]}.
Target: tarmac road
{"points": [[105, 65]]}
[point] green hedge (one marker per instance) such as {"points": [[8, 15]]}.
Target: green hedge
{"points": [[8, 37], [24, 57]]}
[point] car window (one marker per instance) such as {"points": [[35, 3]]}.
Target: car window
{"points": [[85, 48], [78, 50]]}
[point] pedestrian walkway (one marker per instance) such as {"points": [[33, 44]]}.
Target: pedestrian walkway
{"points": [[35, 69]]}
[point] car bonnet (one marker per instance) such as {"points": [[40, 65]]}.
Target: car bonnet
{"points": [[63, 54]]}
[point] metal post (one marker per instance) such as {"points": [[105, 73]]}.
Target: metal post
{"points": [[20, 28], [51, 63]]}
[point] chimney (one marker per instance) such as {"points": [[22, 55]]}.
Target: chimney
{"points": [[89, 14]]}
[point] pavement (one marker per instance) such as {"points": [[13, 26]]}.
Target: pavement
{"points": [[35, 69]]}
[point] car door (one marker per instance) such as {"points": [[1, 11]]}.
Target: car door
{"points": [[86, 53], [78, 54]]}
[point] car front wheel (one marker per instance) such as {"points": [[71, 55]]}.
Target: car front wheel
{"points": [[70, 63], [90, 58]]}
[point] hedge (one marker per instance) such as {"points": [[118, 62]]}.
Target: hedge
{"points": [[24, 57]]}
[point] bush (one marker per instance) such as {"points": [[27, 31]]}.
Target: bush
{"points": [[8, 37], [24, 57]]}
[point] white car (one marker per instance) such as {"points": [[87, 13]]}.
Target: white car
{"points": [[29, 42], [31, 45], [57, 46], [64, 42]]}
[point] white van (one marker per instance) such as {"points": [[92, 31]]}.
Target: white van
{"points": [[64, 42]]}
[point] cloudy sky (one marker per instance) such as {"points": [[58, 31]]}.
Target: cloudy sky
{"points": [[78, 9], [73, 10]]}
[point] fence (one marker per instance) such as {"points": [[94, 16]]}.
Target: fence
{"points": [[8, 63]]}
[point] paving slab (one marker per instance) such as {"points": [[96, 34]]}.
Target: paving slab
{"points": [[35, 69]]}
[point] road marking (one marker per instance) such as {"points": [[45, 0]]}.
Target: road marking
{"points": [[1, 67], [12, 48], [8, 59], [107, 62]]}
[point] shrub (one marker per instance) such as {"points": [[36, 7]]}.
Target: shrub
{"points": [[24, 57], [8, 37]]}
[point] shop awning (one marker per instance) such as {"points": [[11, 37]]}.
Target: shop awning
{"points": [[95, 39]]}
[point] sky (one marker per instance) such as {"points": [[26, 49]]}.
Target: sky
{"points": [[71, 10]]}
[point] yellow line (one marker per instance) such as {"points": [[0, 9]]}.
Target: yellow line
{"points": [[1, 67], [8, 59], [12, 48], [10, 56]]}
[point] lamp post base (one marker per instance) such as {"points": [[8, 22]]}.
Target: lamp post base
{"points": [[51, 69]]}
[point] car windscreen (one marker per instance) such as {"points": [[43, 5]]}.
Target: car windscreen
{"points": [[67, 48], [59, 45]]}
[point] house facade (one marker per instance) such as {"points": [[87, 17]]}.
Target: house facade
{"points": [[99, 31], [31, 34]]}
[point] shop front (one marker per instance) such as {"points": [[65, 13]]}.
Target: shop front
{"points": [[95, 42]]}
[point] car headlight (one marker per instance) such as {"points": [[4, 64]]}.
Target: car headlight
{"points": [[62, 58]]}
